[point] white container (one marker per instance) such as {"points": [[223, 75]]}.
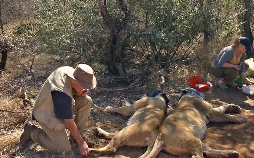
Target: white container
{"points": [[248, 89]]}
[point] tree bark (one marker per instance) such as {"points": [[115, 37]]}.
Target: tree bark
{"points": [[4, 52], [1, 21], [114, 30], [3, 44], [247, 20], [246, 26]]}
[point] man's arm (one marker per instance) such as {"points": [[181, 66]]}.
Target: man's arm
{"points": [[71, 125]]}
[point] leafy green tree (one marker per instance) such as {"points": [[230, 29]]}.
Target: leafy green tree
{"points": [[157, 29], [69, 26]]}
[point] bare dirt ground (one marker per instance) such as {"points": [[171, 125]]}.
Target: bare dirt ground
{"points": [[237, 137], [110, 92]]}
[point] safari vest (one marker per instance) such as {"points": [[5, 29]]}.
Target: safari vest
{"points": [[43, 109]]}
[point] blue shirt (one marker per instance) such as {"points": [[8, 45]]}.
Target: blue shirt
{"points": [[62, 105]]}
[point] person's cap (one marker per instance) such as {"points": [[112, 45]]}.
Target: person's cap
{"points": [[246, 42], [84, 75]]}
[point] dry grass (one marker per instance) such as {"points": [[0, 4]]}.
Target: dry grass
{"points": [[9, 139]]}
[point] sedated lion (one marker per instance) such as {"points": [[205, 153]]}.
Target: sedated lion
{"points": [[182, 131], [179, 134], [146, 114]]}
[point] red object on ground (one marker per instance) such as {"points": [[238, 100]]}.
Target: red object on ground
{"points": [[196, 83]]}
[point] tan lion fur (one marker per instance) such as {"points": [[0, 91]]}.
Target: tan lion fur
{"points": [[180, 133], [142, 127]]}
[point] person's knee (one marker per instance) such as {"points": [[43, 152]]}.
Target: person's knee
{"points": [[64, 149], [57, 147], [55, 141], [85, 99], [217, 72], [61, 149], [89, 99]]}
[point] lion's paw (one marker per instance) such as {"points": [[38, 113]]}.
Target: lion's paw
{"points": [[233, 109]]}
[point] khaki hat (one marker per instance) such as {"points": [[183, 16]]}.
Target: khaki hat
{"points": [[84, 75]]}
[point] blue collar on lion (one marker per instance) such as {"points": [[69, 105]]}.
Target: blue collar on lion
{"points": [[154, 94], [191, 91]]}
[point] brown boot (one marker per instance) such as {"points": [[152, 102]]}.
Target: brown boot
{"points": [[25, 138]]}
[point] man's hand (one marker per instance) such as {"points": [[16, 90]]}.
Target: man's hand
{"points": [[83, 147]]}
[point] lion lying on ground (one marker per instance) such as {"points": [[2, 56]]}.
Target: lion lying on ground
{"points": [[180, 133], [142, 127]]}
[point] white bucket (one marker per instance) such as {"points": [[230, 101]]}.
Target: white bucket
{"points": [[248, 89]]}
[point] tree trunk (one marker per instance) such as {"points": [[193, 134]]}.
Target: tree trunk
{"points": [[112, 65], [114, 29], [3, 44], [247, 20], [246, 26], [4, 51]]}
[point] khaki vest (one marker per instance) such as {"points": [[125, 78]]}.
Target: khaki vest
{"points": [[43, 109]]}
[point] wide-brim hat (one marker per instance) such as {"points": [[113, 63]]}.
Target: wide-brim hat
{"points": [[84, 75], [246, 42]]}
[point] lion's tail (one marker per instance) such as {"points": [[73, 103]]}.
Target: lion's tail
{"points": [[157, 147]]}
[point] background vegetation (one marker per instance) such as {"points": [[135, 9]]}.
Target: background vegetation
{"points": [[146, 43]]}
